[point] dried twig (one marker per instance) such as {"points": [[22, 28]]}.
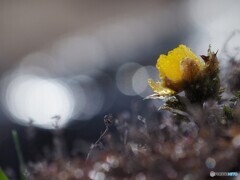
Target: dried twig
{"points": [[108, 123]]}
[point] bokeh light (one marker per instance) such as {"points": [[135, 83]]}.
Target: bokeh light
{"points": [[124, 78], [210, 162], [212, 29], [139, 80], [41, 100]]}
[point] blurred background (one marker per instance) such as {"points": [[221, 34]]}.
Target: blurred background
{"points": [[68, 63]]}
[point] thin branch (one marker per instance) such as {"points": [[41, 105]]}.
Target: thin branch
{"points": [[234, 33], [96, 143], [108, 123]]}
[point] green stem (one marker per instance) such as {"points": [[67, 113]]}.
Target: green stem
{"points": [[19, 154], [3, 175]]}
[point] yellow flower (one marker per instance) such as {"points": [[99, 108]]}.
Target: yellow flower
{"points": [[181, 65]]}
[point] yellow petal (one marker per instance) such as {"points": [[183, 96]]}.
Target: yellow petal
{"points": [[159, 89], [170, 66]]}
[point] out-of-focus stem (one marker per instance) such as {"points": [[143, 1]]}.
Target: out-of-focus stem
{"points": [[19, 154]]}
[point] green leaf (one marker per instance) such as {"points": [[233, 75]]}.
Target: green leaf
{"points": [[3, 175], [228, 112], [175, 102], [237, 94]]}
